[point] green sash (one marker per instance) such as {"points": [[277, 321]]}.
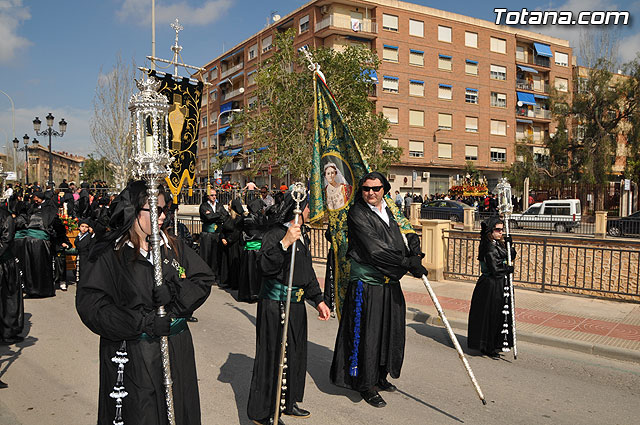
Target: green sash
{"points": [[177, 326], [32, 233], [209, 227], [273, 290], [252, 245], [368, 274]]}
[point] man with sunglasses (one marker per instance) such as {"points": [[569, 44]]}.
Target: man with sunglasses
{"points": [[212, 216], [371, 336]]}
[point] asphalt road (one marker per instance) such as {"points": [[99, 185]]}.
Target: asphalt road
{"points": [[53, 376]]}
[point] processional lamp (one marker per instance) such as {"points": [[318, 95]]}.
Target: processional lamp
{"points": [[150, 131]]}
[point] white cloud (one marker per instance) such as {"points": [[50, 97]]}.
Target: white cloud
{"points": [[630, 47], [12, 13], [140, 11], [76, 140]]}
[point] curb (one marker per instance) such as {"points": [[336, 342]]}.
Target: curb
{"points": [[616, 353]]}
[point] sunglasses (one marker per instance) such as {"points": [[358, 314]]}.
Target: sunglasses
{"points": [[161, 210], [369, 188], [498, 229]]}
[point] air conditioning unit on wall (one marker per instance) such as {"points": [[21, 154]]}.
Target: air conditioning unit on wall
{"points": [[324, 9], [426, 175], [392, 177]]}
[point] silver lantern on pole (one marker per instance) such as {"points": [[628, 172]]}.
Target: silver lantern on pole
{"points": [[150, 125], [505, 207]]}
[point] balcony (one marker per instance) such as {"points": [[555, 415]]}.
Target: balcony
{"points": [[233, 93], [345, 23], [524, 85], [540, 87], [542, 61], [542, 113], [232, 70], [233, 166]]}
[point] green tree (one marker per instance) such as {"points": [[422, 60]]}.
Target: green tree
{"points": [[631, 128], [97, 169], [282, 116]]}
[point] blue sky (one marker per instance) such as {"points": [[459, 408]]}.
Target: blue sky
{"points": [[53, 52]]}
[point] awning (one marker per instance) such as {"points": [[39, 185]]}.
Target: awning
{"points": [[543, 50], [444, 56], [416, 51], [230, 152], [524, 121], [391, 78], [239, 74], [255, 150], [445, 85], [222, 130], [233, 54], [416, 81], [527, 69], [252, 72], [539, 96], [470, 89], [388, 46], [470, 61], [285, 23], [226, 107], [526, 98], [371, 74]]}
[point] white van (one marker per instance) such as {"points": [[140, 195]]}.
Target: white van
{"points": [[561, 215]]}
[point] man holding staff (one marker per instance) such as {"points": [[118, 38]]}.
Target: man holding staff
{"points": [[371, 336]]}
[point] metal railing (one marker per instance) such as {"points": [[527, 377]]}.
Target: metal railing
{"points": [[232, 70], [572, 265], [233, 93], [345, 22]]}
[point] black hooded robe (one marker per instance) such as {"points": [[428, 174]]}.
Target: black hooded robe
{"points": [[275, 264], [11, 302], [232, 251], [249, 277], [209, 239], [113, 298]]}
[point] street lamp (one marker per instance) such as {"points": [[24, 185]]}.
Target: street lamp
{"points": [[26, 148], [49, 131], [218, 128]]}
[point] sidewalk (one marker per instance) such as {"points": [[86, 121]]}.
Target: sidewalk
{"points": [[594, 326]]}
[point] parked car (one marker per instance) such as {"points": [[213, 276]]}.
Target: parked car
{"points": [[622, 226], [444, 210], [561, 215]]}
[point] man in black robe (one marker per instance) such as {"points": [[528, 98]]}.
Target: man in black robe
{"points": [[212, 216], [11, 303], [40, 232], [371, 336], [275, 263]]}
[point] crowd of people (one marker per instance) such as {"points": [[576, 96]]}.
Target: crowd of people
{"points": [[244, 246]]}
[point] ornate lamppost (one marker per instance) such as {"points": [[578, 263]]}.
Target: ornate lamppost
{"points": [[26, 149], [150, 130], [49, 131]]}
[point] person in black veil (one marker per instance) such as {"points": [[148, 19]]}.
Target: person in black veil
{"points": [[490, 322], [212, 216], [275, 263], [117, 299], [249, 278], [371, 335], [11, 303], [231, 247], [40, 232]]}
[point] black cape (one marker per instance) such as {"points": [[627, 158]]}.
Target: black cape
{"points": [[113, 298], [11, 303], [210, 240]]}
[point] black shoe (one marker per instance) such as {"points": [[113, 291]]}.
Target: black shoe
{"points": [[3, 385], [268, 421], [298, 412], [492, 354], [12, 340], [373, 398], [385, 385], [192, 319]]}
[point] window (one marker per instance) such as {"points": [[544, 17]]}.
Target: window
{"points": [[391, 114], [471, 39], [498, 155], [580, 131], [203, 164], [444, 62], [203, 142], [391, 142], [562, 59], [204, 121], [499, 127], [253, 52], [389, 22], [444, 150], [416, 88], [416, 28], [204, 98], [214, 117], [561, 84], [520, 55], [251, 78], [471, 153], [416, 149], [498, 45], [499, 100], [304, 24], [252, 101], [471, 67], [444, 34], [541, 156], [444, 121], [471, 124], [213, 74], [266, 44], [213, 95], [390, 53], [498, 72], [416, 118], [416, 57], [390, 84], [471, 95], [445, 91]]}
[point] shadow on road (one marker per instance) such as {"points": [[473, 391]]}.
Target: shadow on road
{"points": [[236, 371], [10, 353], [430, 406]]}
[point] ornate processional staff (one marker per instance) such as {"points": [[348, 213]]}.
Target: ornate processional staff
{"points": [[298, 193], [505, 208], [150, 128]]}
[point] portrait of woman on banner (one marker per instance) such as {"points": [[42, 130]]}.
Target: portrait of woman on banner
{"points": [[337, 189]]}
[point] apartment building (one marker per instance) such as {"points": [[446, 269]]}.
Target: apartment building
{"points": [[65, 165], [454, 88]]}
